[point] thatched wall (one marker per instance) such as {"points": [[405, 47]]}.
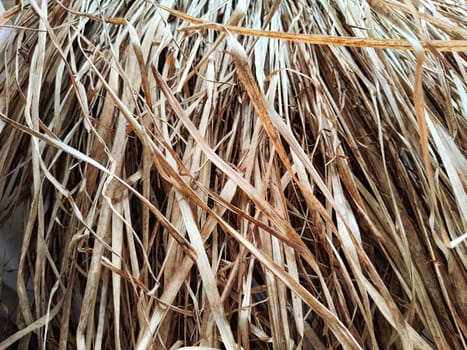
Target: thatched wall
{"points": [[264, 175]]}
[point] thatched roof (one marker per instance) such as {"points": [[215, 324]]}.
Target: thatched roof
{"points": [[265, 175]]}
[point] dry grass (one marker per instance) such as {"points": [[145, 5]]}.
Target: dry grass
{"points": [[286, 175]]}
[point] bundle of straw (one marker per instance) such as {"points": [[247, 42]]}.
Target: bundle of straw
{"points": [[263, 175]]}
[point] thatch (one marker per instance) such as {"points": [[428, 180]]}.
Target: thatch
{"points": [[270, 175]]}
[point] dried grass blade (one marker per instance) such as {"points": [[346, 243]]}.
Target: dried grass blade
{"points": [[399, 44]]}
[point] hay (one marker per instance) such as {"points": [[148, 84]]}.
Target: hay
{"points": [[272, 176]]}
